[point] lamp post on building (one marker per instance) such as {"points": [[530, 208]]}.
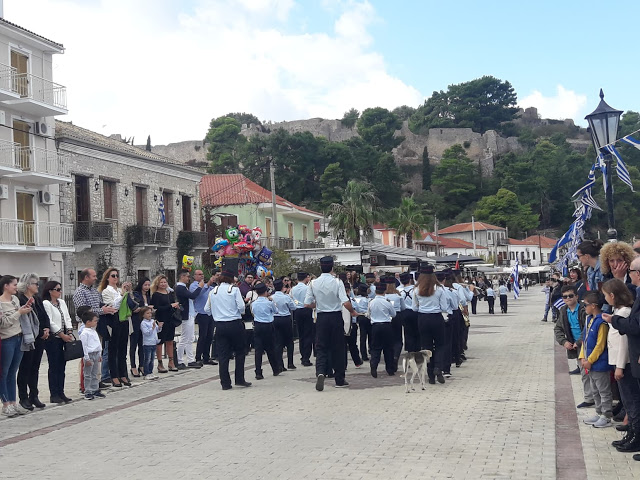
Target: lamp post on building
{"points": [[603, 124]]}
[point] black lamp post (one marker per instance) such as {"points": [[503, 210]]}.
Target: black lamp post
{"points": [[603, 125]]}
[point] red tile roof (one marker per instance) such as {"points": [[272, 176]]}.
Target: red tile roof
{"points": [[467, 227], [236, 189], [447, 242], [545, 242]]}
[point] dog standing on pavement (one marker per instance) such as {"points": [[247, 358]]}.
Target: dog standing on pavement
{"points": [[417, 363]]}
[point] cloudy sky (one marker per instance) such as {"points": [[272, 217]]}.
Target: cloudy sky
{"points": [[165, 68]]}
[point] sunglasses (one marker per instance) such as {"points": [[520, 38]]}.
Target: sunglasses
{"points": [[57, 289], [637, 271], [586, 304], [568, 296], [637, 249], [114, 275]]}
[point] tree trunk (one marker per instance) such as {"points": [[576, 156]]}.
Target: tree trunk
{"points": [[409, 240]]}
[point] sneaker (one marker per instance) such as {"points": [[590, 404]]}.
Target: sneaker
{"points": [[575, 371], [194, 365], [320, 383], [88, 396], [146, 377], [182, 366], [19, 409], [446, 375], [603, 422], [344, 384], [591, 420], [586, 405], [7, 411], [99, 394]]}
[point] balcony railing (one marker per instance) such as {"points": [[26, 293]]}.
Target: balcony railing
{"points": [[39, 89], [144, 235], [198, 239], [36, 234], [96, 231], [41, 160], [7, 74], [289, 243], [8, 156]]}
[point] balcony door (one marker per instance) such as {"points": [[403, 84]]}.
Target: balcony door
{"points": [[82, 199], [25, 212], [186, 214], [20, 62], [21, 137]]}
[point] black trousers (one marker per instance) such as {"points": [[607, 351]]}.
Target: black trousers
{"points": [[411, 331], [264, 342], [352, 344], [229, 337], [330, 342], [431, 327], [284, 338], [29, 370], [503, 303], [448, 343], [382, 342], [630, 392], [135, 343], [205, 337], [57, 365], [365, 336], [304, 321], [491, 301], [118, 349], [457, 340], [474, 304], [396, 332]]}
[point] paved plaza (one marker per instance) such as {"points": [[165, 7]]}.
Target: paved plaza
{"points": [[507, 413]]}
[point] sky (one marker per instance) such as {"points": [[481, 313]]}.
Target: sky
{"points": [[165, 68]]}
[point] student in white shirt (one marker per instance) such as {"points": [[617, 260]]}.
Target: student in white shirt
{"points": [[382, 312]]}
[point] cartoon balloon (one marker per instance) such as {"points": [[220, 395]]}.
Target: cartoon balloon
{"points": [[187, 262], [232, 234]]}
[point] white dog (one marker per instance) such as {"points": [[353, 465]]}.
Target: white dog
{"points": [[417, 362]]}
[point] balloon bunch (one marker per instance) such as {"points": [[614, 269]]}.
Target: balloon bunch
{"points": [[244, 243]]}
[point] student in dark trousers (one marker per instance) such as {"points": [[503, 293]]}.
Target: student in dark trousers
{"points": [[303, 318], [382, 338], [409, 316], [503, 291], [352, 339], [491, 298], [365, 323], [263, 310], [283, 324]]}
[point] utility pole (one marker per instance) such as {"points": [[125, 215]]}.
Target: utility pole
{"points": [[274, 211], [473, 228], [435, 227]]}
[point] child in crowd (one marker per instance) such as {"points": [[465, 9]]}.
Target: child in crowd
{"points": [[92, 353], [594, 356], [149, 329]]}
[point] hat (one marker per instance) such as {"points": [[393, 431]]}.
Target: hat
{"points": [[302, 275], [228, 273], [389, 280], [381, 288], [456, 271], [441, 276], [369, 275], [413, 266], [428, 269], [326, 261], [363, 290], [405, 277], [260, 288], [277, 285]]}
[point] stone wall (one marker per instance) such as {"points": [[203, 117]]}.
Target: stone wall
{"points": [[191, 152]]}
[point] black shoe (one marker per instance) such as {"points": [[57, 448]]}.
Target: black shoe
{"points": [[627, 438], [26, 404], [342, 384], [374, 373], [432, 381], [108, 380], [182, 366], [276, 373], [104, 385], [65, 398], [440, 377], [37, 403], [211, 362], [632, 445], [620, 416], [200, 362], [194, 365], [586, 405], [282, 369], [543, 320], [227, 387], [117, 385], [243, 384], [620, 428], [291, 366], [365, 359], [391, 374], [463, 357], [126, 382], [636, 457], [575, 371], [307, 363], [320, 383], [259, 376], [99, 394], [458, 364]]}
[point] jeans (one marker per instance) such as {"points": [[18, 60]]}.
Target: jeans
{"points": [[29, 371], [205, 337], [546, 310], [57, 365], [149, 354], [104, 372], [91, 384], [135, 343], [11, 356], [185, 344]]}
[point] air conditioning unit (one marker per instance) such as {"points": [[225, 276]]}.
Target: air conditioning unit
{"points": [[46, 198], [4, 192], [41, 128]]}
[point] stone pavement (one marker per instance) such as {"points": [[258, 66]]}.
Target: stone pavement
{"points": [[495, 419]]}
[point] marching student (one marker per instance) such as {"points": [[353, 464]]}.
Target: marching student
{"points": [[503, 291], [392, 295], [351, 340], [453, 315], [460, 330], [408, 316], [263, 310], [283, 324], [491, 298], [364, 322], [381, 312], [304, 319]]}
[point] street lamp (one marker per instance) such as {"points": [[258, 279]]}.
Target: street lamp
{"points": [[603, 125]]}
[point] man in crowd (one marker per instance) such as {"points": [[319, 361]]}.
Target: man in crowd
{"points": [[203, 320], [186, 297], [303, 317]]}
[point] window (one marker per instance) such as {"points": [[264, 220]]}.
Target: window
{"points": [[141, 206], [21, 137], [171, 277], [304, 232], [168, 207], [267, 225], [143, 274], [25, 211], [20, 82], [290, 229], [533, 255], [187, 224], [82, 199], [110, 208], [227, 221]]}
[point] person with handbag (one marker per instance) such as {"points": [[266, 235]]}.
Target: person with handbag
{"points": [[11, 335], [61, 332], [113, 297], [168, 316]]}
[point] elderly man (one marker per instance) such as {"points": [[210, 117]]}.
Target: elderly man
{"points": [[630, 326]]}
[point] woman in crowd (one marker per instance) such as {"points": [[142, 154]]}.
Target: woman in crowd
{"points": [[588, 253], [61, 331], [164, 304], [29, 370], [112, 296], [11, 335], [615, 258], [430, 301], [142, 298]]}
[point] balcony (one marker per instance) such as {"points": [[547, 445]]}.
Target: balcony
{"points": [[33, 95], [196, 240], [37, 165], [21, 235], [145, 236], [289, 243], [8, 158], [96, 232]]}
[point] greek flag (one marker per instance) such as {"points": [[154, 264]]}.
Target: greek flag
{"points": [[566, 238], [603, 169], [559, 303], [621, 168], [161, 210], [631, 141], [516, 278], [591, 181]]}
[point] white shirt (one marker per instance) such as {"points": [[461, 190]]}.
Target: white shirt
{"points": [[298, 293], [381, 310], [56, 320], [225, 303], [112, 297], [503, 290], [90, 342], [327, 292], [618, 345], [396, 301], [406, 292]]}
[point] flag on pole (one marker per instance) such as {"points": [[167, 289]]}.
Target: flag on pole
{"points": [[559, 303], [457, 267], [161, 210], [621, 168], [631, 141], [516, 281]]}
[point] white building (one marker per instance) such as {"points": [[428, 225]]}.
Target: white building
{"points": [[533, 250], [32, 238]]}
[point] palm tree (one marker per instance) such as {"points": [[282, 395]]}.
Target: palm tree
{"points": [[408, 219], [355, 213]]}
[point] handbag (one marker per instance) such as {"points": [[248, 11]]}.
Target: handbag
{"points": [[73, 349], [176, 315]]}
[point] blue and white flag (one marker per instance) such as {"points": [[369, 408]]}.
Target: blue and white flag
{"points": [[516, 278], [161, 210], [621, 168], [603, 169], [591, 181], [631, 141], [559, 303], [566, 238]]}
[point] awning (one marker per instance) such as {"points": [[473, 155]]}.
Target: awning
{"points": [[400, 258]]}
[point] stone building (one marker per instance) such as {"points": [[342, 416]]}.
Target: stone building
{"points": [[32, 169], [113, 202]]}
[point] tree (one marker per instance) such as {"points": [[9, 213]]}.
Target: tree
{"points": [[355, 213], [225, 145], [331, 183], [481, 104], [455, 179], [377, 127], [408, 219], [404, 112], [504, 209], [350, 118], [244, 118]]}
